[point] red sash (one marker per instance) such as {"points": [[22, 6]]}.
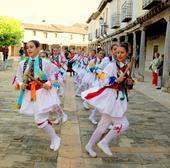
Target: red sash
{"points": [[94, 94]]}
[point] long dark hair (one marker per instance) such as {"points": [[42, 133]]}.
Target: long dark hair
{"points": [[36, 43], [124, 45], [113, 46]]}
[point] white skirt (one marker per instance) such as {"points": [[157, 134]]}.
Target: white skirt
{"points": [[45, 102], [88, 79], [107, 102], [81, 73]]}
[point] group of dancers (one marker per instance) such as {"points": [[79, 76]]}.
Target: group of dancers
{"points": [[102, 83]]}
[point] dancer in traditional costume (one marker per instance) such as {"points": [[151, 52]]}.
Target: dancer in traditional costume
{"points": [[106, 60], [111, 101], [59, 59], [38, 97], [57, 83], [94, 67]]}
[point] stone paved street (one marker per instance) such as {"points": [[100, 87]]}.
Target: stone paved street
{"points": [[22, 145]]}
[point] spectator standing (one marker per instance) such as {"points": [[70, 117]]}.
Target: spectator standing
{"points": [[4, 52], [153, 67]]}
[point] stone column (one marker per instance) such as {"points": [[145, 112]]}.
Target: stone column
{"points": [[126, 38], [50, 48], [142, 56], [95, 46], [118, 40], [166, 67], [134, 52], [110, 44], [107, 47], [134, 45]]}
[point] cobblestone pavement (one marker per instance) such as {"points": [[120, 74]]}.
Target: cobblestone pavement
{"points": [[146, 143], [22, 145]]}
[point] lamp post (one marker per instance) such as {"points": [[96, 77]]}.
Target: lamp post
{"points": [[103, 26], [101, 21]]}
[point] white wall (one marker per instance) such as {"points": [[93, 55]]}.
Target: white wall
{"points": [[137, 9], [62, 38], [113, 7]]}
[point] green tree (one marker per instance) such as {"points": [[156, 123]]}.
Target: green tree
{"points": [[11, 31]]}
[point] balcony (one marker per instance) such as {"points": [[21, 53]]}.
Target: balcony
{"points": [[103, 30], [126, 11], [89, 37], [148, 4], [97, 34], [115, 21]]}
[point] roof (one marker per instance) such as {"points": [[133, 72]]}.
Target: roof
{"points": [[93, 16], [102, 5], [100, 8], [76, 28], [71, 29], [40, 27]]}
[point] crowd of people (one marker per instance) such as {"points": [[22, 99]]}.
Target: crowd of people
{"points": [[101, 81]]}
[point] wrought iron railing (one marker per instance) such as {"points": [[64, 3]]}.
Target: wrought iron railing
{"points": [[115, 20], [90, 37], [148, 4], [97, 34], [126, 11]]}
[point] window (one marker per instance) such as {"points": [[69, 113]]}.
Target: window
{"points": [[45, 34], [34, 33], [83, 37], [71, 37]]}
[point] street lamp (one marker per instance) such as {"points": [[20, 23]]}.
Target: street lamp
{"points": [[101, 21], [103, 27]]}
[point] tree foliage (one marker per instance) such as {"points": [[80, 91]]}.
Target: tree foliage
{"points": [[11, 31]]}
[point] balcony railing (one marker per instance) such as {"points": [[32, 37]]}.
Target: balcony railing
{"points": [[115, 21], [97, 33], [126, 11], [148, 4], [90, 37], [103, 30]]}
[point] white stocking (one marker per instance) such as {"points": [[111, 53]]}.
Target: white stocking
{"points": [[59, 110], [100, 130], [120, 125], [50, 131], [93, 113]]}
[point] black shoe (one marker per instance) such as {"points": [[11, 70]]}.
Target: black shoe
{"points": [[158, 88]]}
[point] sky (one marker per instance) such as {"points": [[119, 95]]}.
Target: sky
{"points": [[63, 12]]}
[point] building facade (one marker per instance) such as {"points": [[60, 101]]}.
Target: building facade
{"points": [[51, 36], [144, 24]]}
